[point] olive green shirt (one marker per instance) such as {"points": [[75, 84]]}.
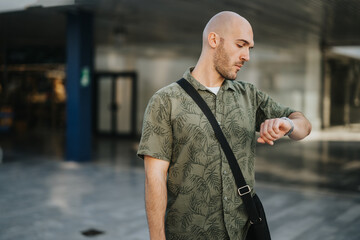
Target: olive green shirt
{"points": [[202, 196]]}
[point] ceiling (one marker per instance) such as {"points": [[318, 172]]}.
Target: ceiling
{"points": [[280, 23]]}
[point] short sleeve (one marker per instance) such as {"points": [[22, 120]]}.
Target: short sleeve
{"points": [[156, 137], [268, 108]]}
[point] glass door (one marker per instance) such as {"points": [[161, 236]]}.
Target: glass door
{"points": [[123, 103], [104, 104], [116, 104]]}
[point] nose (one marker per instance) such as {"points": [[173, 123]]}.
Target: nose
{"points": [[245, 55]]}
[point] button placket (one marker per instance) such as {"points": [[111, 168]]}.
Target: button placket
{"points": [[219, 108]]}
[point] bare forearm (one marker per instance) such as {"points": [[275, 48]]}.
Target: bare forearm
{"points": [[156, 199], [156, 196], [302, 126]]}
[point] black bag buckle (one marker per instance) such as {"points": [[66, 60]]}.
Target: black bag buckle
{"points": [[258, 221], [244, 190]]}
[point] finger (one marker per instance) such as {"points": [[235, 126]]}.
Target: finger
{"points": [[276, 126], [265, 133], [277, 133], [271, 131], [261, 129], [260, 140], [284, 126]]}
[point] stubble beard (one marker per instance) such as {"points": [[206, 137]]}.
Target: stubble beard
{"points": [[222, 63]]}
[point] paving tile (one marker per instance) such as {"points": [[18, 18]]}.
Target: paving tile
{"points": [[43, 197]]}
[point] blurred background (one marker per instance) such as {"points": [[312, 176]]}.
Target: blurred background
{"points": [[75, 79]]}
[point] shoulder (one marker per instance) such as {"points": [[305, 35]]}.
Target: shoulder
{"points": [[164, 98], [244, 87], [168, 92], [161, 102]]}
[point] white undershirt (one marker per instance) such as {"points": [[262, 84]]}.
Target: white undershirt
{"points": [[215, 90]]}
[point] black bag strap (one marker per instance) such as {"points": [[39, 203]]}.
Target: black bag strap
{"points": [[243, 189]]}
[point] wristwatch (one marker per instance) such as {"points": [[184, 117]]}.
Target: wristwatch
{"points": [[292, 125]]}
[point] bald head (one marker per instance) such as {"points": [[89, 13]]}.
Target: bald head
{"points": [[225, 23], [227, 40]]}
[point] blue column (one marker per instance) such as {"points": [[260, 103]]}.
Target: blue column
{"points": [[79, 69]]}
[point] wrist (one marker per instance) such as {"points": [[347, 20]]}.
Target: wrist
{"points": [[292, 126]]}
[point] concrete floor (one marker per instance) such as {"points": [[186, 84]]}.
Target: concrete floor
{"points": [[310, 190]]}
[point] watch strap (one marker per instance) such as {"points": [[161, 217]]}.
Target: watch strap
{"points": [[292, 126]]}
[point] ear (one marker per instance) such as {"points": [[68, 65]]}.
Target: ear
{"points": [[213, 39]]}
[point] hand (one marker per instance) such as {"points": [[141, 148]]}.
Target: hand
{"points": [[273, 129]]}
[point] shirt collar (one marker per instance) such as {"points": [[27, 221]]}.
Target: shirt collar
{"points": [[227, 84]]}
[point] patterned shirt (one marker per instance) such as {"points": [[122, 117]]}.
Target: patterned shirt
{"points": [[202, 195]]}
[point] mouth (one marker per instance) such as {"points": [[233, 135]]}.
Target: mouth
{"points": [[238, 66]]}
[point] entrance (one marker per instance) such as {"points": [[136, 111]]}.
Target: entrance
{"points": [[115, 96], [341, 91]]}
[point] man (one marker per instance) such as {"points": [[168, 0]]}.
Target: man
{"points": [[190, 192]]}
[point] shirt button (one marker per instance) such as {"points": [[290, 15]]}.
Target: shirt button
{"points": [[219, 123], [225, 172], [225, 198]]}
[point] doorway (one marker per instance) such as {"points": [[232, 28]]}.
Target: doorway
{"points": [[341, 106], [115, 96]]}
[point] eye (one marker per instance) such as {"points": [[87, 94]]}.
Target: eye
{"points": [[240, 46]]}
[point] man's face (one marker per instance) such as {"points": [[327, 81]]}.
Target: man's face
{"points": [[233, 52]]}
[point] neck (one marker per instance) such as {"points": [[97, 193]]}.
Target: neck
{"points": [[205, 73]]}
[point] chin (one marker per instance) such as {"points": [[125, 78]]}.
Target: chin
{"points": [[232, 76]]}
